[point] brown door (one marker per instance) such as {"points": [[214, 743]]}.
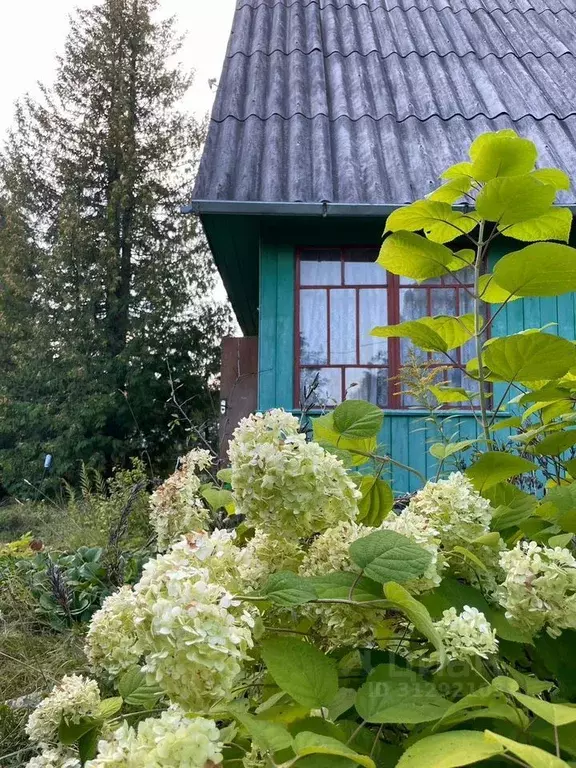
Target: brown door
{"points": [[239, 385]]}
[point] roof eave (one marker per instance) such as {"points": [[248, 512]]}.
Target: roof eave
{"points": [[258, 208]]}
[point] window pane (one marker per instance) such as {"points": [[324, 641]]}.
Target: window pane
{"points": [[413, 306], [313, 327], [321, 268], [466, 303], [343, 326], [443, 301], [373, 312], [364, 273], [327, 383], [367, 384]]}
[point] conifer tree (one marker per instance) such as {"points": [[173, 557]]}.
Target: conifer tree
{"points": [[111, 280]]}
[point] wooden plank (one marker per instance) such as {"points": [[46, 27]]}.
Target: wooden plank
{"points": [[267, 327], [285, 327], [239, 385]]}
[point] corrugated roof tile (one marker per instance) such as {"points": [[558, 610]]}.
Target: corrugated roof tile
{"points": [[367, 101]]}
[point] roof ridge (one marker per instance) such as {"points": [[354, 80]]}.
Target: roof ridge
{"points": [[368, 5], [316, 49], [391, 115]]}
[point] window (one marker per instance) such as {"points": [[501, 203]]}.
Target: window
{"points": [[341, 295]]}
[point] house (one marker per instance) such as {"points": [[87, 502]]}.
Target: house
{"points": [[329, 115]]}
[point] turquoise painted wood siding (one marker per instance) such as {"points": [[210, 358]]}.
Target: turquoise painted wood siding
{"points": [[405, 434]]}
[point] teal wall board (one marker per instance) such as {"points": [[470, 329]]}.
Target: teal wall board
{"points": [[276, 336]]}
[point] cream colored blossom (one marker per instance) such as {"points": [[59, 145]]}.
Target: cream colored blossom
{"points": [[74, 698], [177, 507], [266, 554], [466, 634], [284, 484], [111, 642], [539, 588], [193, 636], [172, 740], [54, 757], [454, 509]]}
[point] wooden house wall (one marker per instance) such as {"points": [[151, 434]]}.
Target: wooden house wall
{"points": [[405, 434]]}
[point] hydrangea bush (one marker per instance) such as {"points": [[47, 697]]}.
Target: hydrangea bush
{"points": [[333, 629]]}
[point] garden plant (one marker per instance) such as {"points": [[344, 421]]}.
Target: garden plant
{"points": [[331, 629]]}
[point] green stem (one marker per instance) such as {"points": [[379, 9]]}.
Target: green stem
{"points": [[389, 460], [478, 333]]}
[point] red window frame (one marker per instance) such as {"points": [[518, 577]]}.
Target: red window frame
{"points": [[393, 288]]}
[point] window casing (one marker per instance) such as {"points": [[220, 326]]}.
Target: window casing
{"points": [[341, 294]]}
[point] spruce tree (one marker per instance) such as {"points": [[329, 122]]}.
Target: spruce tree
{"points": [[112, 280]]}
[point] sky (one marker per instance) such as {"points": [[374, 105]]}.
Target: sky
{"points": [[32, 33]]}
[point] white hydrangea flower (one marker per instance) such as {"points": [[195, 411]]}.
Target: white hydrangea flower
{"points": [[539, 588], [218, 554], [466, 634], [420, 530], [111, 642], [266, 554], [283, 483], [454, 508], [74, 698], [54, 757], [171, 741], [193, 635], [177, 507]]}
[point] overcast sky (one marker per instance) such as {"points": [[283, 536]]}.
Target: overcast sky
{"points": [[32, 33]]}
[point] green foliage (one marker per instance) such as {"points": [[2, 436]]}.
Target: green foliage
{"points": [[110, 307], [385, 556]]}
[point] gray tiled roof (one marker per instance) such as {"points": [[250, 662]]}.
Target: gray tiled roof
{"points": [[367, 101]]}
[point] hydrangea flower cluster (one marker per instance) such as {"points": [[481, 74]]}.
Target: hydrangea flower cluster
{"points": [[466, 634], [266, 554], [539, 589], [218, 554], [74, 698], [57, 757], [171, 741], [193, 644], [284, 484], [454, 508], [176, 507], [112, 643]]}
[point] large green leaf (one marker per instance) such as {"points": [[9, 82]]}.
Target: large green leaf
{"points": [[453, 190], [268, 736], [439, 222], [449, 750], [553, 225], [513, 199], [556, 714], [389, 556], [301, 670], [532, 756], [502, 153], [326, 434], [357, 419], [457, 171], [432, 334], [399, 695], [524, 356], [308, 743], [493, 467], [418, 614], [376, 502], [337, 586], [553, 176], [287, 588], [540, 269], [492, 293], [411, 255], [555, 444]]}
